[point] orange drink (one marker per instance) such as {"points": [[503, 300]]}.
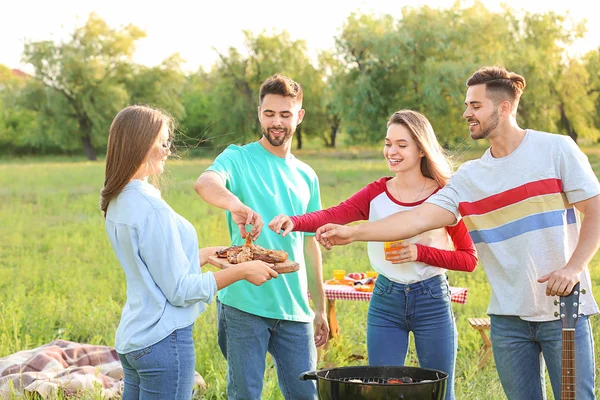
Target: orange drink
{"points": [[391, 246]]}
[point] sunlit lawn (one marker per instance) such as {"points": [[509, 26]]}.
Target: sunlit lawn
{"points": [[60, 279]]}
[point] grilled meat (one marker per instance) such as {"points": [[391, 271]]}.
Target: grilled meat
{"points": [[250, 251]]}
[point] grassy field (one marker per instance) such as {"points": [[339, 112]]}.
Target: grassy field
{"points": [[60, 279]]}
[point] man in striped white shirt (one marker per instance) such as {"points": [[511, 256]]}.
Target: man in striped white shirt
{"points": [[521, 202]]}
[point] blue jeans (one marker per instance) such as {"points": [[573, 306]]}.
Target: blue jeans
{"points": [[245, 339], [163, 371], [422, 308], [520, 347]]}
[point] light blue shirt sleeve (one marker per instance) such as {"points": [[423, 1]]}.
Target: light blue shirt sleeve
{"points": [[161, 250]]}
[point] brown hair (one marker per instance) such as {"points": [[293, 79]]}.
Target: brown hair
{"points": [[499, 83], [132, 134], [434, 164], [281, 85]]}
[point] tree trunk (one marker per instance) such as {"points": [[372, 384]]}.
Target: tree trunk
{"points": [[566, 123], [334, 128], [299, 137], [88, 148], [85, 124]]}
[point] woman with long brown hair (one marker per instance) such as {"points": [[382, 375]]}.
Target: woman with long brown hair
{"points": [[158, 250], [411, 293]]}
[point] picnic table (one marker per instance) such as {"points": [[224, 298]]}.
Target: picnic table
{"points": [[345, 292]]}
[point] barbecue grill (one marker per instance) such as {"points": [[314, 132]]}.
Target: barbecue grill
{"points": [[373, 383]]}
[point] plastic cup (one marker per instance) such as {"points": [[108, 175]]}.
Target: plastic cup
{"points": [[339, 274], [390, 246], [372, 274]]}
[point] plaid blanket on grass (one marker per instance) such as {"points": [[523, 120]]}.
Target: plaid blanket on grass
{"points": [[67, 367]]}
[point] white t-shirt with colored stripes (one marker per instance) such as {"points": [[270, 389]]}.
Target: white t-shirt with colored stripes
{"points": [[518, 210]]}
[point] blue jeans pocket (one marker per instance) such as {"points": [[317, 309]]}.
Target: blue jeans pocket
{"points": [[438, 291], [139, 354], [379, 289]]}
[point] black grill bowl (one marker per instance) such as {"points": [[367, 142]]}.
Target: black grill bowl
{"points": [[332, 383]]}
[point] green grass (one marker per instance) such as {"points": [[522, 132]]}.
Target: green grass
{"points": [[59, 277]]}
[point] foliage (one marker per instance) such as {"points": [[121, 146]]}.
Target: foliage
{"points": [[379, 64], [422, 61], [159, 86], [235, 81]]}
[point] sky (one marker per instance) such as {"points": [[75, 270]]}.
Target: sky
{"points": [[194, 29]]}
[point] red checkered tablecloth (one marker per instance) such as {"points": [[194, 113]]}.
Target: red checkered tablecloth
{"points": [[344, 292]]}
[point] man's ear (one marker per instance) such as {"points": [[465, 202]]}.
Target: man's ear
{"points": [[300, 116], [505, 108], [258, 111]]}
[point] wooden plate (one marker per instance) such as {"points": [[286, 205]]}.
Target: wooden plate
{"points": [[282, 268]]}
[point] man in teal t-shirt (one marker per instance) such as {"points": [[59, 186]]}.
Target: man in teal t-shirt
{"points": [[260, 181]]}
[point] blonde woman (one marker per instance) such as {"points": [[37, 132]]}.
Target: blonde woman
{"points": [[158, 250], [411, 293]]}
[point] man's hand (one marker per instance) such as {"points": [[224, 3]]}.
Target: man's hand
{"points": [[321, 329], [560, 282], [401, 253], [242, 216], [281, 222], [330, 235]]}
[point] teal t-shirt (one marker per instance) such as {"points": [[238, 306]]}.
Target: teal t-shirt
{"points": [[270, 185]]}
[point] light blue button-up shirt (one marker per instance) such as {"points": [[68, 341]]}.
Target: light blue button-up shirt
{"points": [[158, 250]]}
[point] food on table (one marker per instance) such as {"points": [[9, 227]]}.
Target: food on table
{"points": [[357, 275], [250, 251], [340, 278], [365, 281], [344, 281]]}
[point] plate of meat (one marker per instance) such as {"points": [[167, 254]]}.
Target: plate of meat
{"points": [[249, 251]]}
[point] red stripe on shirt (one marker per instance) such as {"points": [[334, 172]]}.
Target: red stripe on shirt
{"points": [[511, 196]]}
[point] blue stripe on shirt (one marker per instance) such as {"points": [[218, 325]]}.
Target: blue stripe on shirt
{"points": [[531, 223]]}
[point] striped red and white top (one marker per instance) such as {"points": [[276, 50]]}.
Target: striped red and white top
{"points": [[374, 202]]}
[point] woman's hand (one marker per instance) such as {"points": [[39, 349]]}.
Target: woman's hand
{"points": [[281, 222], [257, 272], [206, 252], [402, 253]]}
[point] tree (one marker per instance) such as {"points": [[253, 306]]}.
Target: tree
{"points": [[591, 61], [17, 123], [159, 86], [88, 72], [236, 79], [422, 61], [334, 77]]}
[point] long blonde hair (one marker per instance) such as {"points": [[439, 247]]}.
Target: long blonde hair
{"points": [[435, 163], [133, 132]]}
